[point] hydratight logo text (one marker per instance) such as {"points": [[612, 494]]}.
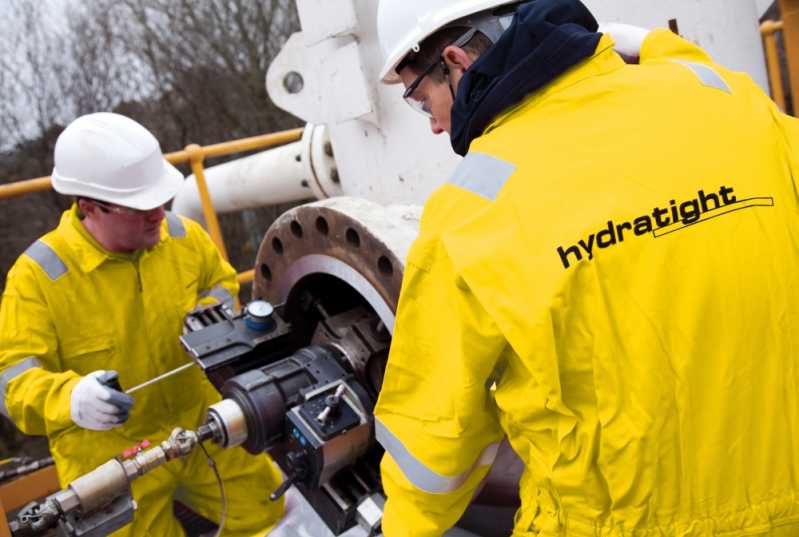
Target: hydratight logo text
{"points": [[660, 222]]}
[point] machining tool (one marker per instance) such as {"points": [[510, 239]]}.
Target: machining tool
{"points": [[309, 408], [300, 379], [100, 502]]}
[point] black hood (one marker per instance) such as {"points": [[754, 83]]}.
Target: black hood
{"points": [[545, 39]]}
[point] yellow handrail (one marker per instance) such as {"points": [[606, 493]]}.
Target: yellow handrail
{"points": [[239, 146], [769, 30], [20, 188], [195, 155]]}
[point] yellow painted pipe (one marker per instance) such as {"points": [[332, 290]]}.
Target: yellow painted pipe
{"points": [[789, 10], [238, 146], [196, 158], [768, 29], [20, 188]]}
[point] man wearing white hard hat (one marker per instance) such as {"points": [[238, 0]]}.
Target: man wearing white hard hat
{"points": [[609, 279], [105, 292]]}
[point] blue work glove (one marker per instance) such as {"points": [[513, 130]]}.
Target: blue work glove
{"points": [[96, 405]]}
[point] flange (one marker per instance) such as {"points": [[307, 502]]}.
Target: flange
{"points": [[354, 240]]}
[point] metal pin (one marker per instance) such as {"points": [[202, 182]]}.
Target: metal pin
{"points": [[159, 378], [323, 415]]}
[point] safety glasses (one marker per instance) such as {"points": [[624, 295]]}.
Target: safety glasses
{"points": [[421, 105], [124, 211]]}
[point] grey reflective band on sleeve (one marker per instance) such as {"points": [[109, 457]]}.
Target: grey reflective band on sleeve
{"points": [[10, 374], [482, 174], [175, 225], [707, 75], [45, 257], [219, 293], [420, 475]]}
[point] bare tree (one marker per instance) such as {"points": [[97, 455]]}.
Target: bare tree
{"points": [[36, 68], [191, 71], [205, 60]]}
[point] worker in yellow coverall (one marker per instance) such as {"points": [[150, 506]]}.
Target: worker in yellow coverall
{"points": [[107, 290], [610, 279]]}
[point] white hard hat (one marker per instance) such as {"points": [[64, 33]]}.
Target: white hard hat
{"points": [[112, 158], [402, 25]]}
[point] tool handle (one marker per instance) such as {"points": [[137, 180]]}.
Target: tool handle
{"points": [[111, 380]]}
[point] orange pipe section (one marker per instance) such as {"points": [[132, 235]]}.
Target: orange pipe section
{"points": [[769, 29], [5, 531], [27, 488], [790, 33], [22, 490]]}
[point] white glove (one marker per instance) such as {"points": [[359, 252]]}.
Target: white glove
{"points": [[96, 406], [628, 38]]}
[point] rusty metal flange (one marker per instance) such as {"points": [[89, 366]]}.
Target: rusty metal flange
{"points": [[357, 241]]}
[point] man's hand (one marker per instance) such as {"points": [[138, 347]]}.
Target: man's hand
{"points": [[96, 406], [628, 38]]}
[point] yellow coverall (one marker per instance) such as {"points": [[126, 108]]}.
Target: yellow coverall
{"points": [[611, 280], [69, 308]]}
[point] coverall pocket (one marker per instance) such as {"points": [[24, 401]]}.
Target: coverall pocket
{"points": [[86, 353]]}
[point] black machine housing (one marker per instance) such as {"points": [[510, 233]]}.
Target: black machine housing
{"points": [[306, 382]]}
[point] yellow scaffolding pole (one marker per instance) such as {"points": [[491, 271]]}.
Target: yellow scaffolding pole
{"points": [[769, 31], [789, 11], [21, 188], [195, 155]]}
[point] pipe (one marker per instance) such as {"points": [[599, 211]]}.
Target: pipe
{"points": [[769, 30], [261, 141], [29, 186], [196, 157], [267, 178]]}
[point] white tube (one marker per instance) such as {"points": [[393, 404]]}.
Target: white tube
{"points": [[267, 178]]}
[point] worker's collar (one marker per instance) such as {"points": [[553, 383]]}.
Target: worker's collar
{"points": [[545, 39], [89, 253], [604, 61]]}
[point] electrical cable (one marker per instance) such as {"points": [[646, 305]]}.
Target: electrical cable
{"points": [[212, 464]]}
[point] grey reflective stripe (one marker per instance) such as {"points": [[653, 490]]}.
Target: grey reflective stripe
{"points": [[707, 75], [221, 294], [10, 374], [420, 475], [175, 225], [46, 258], [482, 174]]}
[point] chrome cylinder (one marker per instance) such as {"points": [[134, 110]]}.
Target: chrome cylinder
{"points": [[228, 421]]}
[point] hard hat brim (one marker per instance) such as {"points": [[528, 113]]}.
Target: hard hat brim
{"points": [[159, 193], [153, 195], [388, 74]]}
